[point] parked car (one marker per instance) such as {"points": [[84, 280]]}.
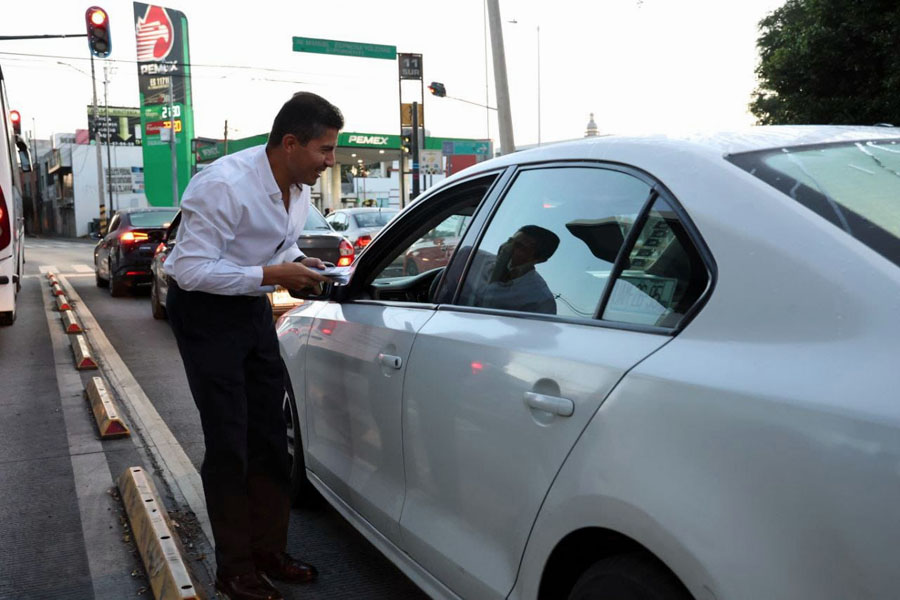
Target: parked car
{"points": [[650, 368], [317, 239], [123, 255], [359, 225]]}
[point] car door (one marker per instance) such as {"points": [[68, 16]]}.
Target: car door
{"points": [[106, 245], [502, 381], [357, 357]]}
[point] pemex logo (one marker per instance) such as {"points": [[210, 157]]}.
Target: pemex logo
{"points": [[155, 35]]}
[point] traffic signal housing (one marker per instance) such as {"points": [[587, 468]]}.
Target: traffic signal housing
{"points": [[437, 89], [406, 140], [99, 40], [16, 120]]}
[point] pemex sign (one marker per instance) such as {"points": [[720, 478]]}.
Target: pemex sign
{"points": [[164, 79]]}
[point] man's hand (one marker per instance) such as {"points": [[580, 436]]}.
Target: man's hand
{"points": [[296, 275]]}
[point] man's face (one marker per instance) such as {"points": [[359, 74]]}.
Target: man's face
{"points": [[306, 162], [522, 249]]}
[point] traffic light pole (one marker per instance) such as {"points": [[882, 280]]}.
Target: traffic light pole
{"points": [[99, 153], [172, 139], [414, 138]]}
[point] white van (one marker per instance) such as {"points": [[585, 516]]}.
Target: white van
{"points": [[12, 222]]}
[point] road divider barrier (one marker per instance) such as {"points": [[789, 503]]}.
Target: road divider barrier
{"points": [[62, 303], [155, 539], [57, 289], [109, 424], [83, 358], [70, 323]]}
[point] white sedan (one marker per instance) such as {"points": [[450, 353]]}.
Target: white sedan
{"points": [[651, 368]]}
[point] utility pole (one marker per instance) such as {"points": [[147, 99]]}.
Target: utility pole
{"points": [[99, 154], [226, 136], [415, 151], [108, 141], [172, 138], [507, 144]]}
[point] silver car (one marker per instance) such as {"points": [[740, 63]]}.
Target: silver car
{"points": [[359, 225], [651, 368]]}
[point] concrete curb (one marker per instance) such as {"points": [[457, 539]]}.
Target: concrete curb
{"points": [[83, 358], [169, 577], [105, 412]]}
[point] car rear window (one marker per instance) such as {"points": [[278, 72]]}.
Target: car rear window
{"points": [[152, 218], [315, 221], [374, 219], [855, 186]]}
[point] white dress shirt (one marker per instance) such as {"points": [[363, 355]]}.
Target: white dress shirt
{"points": [[233, 222]]}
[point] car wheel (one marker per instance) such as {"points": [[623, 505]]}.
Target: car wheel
{"points": [[117, 287], [412, 268], [101, 283], [628, 577], [159, 311], [302, 492]]}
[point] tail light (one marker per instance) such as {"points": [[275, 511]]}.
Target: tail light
{"points": [[159, 248], [363, 241], [346, 252], [5, 225], [132, 237]]}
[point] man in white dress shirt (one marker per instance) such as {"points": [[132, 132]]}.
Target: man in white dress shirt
{"points": [[241, 218]]}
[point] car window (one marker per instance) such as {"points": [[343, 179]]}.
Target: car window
{"points": [[663, 275], [152, 218], [552, 244], [114, 224], [853, 185], [315, 221], [338, 221], [374, 219]]}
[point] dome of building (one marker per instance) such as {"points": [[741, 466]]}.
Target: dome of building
{"points": [[591, 128]]}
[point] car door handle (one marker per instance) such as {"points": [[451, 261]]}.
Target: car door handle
{"points": [[551, 404], [389, 360]]}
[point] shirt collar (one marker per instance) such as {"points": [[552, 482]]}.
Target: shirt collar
{"points": [[270, 186]]}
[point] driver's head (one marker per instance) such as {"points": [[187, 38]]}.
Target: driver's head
{"points": [[532, 244]]}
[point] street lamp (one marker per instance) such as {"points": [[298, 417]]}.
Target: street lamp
{"points": [[538, 28]]}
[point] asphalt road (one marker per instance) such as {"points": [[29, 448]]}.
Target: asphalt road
{"points": [[349, 566]]}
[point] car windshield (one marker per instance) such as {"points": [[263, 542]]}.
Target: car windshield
{"points": [[375, 218], [316, 222], [855, 186], [152, 218]]}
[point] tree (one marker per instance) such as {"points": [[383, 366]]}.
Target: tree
{"points": [[829, 62]]}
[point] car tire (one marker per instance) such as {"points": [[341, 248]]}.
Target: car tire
{"points": [[412, 268], [117, 287], [101, 283], [302, 493], [156, 307], [628, 577]]}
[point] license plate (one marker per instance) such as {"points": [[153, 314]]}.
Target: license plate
{"points": [[282, 297]]}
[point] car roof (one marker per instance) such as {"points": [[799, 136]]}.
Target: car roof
{"points": [[364, 209], [126, 211], [706, 145]]}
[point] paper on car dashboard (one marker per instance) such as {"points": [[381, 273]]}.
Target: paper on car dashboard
{"points": [[336, 274]]}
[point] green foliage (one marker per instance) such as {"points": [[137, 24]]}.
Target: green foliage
{"points": [[829, 62]]}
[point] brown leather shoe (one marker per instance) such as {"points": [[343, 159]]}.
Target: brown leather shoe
{"points": [[247, 587], [282, 566]]}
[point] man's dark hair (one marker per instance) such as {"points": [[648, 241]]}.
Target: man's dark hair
{"points": [[545, 241], [306, 116]]}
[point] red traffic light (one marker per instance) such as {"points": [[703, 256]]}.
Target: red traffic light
{"points": [[99, 39], [16, 119]]}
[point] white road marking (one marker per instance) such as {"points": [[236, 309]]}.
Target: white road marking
{"points": [[83, 268], [177, 468], [48, 269], [109, 565]]}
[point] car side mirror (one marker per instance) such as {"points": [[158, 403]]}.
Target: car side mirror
{"points": [[330, 293]]}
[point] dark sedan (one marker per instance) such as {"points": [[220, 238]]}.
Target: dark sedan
{"points": [[122, 257], [318, 239]]}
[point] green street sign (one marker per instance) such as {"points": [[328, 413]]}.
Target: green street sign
{"points": [[319, 46]]}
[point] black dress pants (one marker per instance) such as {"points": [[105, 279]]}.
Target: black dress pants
{"points": [[230, 353]]}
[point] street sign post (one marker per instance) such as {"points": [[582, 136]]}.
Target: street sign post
{"points": [[410, 65], [341, 48]]}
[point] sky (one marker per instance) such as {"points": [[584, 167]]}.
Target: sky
{"points": [[640, 66]]}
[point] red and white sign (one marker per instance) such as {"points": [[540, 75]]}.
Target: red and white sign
{"points": [[155, 35]]}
